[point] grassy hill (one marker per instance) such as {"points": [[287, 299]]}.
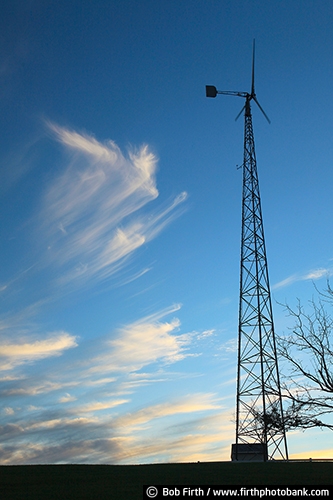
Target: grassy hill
{"points": [[124, 482]]}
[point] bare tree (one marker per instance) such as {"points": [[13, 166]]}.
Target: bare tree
{"points": [[308, 351]]}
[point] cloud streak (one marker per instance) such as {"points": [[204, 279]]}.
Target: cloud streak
{"points": [[61, 437], [98, 210], [189, 404], [141, 343], [92, 214], [83, 410], [314, 274], [14, 354]]}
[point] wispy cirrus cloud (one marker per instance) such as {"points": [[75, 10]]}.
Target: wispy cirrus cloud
{"points": [[141, 343], [98, 210], [67, 398], [94, 421], [99, 406], [313, 275], [104, 439], [30, 387], [91, 214], [17, 353], [146, 342], [119, 355], [188, 404]]}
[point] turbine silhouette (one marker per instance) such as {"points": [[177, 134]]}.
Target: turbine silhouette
{"points": [[260, 430]]}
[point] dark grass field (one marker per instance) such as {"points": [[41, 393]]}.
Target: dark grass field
{"points": [[71, 482]]}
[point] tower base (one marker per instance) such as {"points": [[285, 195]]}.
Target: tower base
{"points": [[249, 452]]}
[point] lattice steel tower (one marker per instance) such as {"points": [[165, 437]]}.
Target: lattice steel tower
{"points": [[260, 430]]}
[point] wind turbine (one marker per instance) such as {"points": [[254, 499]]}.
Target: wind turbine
{"points": [[212, 91], [260, 429]]}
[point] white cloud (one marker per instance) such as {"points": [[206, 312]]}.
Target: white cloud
{"points": [[205, 334], [57, 422], [8, 411], [101, 381], [98, 406], [286, 282], [85, 144], [18, 353], [189, 404], [141, 343], [316, 274], [230, 345], [28, 388], [313, 274], [90, 212], [100, 439], [202, 432], [67, 398]]}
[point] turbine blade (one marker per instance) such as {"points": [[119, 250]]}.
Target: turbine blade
{"points": [[241, 111], [253, 53], [263, 112]]}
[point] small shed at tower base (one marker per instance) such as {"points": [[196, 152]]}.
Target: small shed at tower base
{"points": [[249, 452]]}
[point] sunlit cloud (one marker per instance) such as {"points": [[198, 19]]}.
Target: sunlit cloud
{"points": [[189, 404], [200, 428], [27, 387], [102, 450], [306, 455], [17, 353], [99, 208], [98, 406], [192, 438], [59, 422], [100, 381], [125, 351], [91, 214], [67, 398], [90, 416], [146, 341]]}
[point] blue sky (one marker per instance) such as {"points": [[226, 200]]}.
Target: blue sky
{"points": [[121, 212]]}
